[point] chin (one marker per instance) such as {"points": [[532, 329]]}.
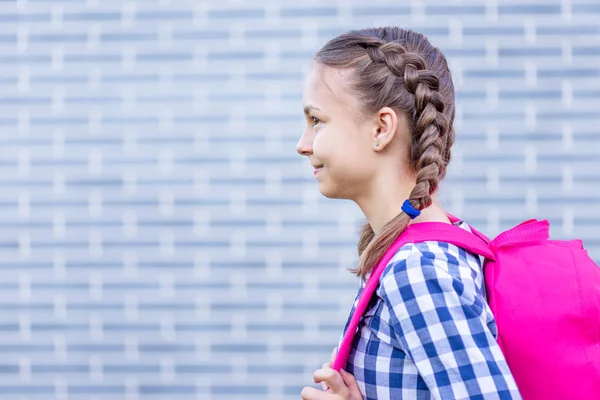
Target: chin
{"points": [[332, 192]]}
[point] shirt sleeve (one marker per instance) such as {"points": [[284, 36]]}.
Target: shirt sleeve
{"points": [[439, 318]]}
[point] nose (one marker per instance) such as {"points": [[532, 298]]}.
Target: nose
{"points": [[304, 147]]}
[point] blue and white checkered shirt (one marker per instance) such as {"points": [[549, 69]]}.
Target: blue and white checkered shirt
{"points": [[428, 333]]}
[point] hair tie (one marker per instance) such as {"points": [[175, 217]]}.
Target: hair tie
{"points": [[410, 210]]}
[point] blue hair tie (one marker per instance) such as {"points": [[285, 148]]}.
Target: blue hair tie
{"points": [[410, 210]]}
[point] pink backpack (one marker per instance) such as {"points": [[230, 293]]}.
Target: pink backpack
{"points": [[545, 296]]}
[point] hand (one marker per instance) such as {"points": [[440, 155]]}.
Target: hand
{"points": [[336, 385]]}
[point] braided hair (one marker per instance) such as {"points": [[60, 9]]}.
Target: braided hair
{"points": [[400, 69]]}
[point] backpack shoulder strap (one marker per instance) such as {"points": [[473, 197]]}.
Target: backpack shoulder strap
{"points": [[478, 234], [474, 242], [415, 233]]}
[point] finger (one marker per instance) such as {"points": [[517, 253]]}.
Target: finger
{"points": [[328, 365], [324, 386], [310, 393], [349, 381], [332, 378]]}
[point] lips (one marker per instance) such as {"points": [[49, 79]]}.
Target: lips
{"points": [[317, 168]]}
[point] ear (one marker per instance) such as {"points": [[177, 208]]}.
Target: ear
{"points": [[385, 127]]}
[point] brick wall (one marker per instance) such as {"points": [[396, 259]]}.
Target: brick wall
{"points": [[160, 237]]}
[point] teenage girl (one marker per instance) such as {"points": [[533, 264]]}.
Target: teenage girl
{"points": [[379, 107]]}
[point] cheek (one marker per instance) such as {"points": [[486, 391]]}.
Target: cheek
{"points": [[358, 147], [360, 158], [341, 145], [321, 145]]}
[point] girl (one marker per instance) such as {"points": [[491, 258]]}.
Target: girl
{"points": [[379, 106]]}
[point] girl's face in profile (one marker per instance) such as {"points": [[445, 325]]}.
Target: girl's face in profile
{"points": [[336, 141]]}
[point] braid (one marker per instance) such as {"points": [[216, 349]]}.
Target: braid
{"points": [[391, 75], [431, 131]]}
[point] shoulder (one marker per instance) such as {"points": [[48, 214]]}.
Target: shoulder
{"points": [[446, 257], [431, 268]]}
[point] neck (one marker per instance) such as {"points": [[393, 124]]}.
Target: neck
{"points": [[382, 205]]}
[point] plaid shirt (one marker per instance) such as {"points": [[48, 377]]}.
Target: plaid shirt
{"points": [[428, 332]]}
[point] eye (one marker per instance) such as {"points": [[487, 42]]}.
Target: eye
{"points": [[315, 121]]}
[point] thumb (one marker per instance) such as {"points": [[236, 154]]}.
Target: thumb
{"points": [[350, 381], [333, 354]]}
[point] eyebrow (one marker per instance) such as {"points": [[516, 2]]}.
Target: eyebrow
{"points": [[309, 107]]}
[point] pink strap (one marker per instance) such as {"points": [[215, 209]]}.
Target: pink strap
{"points": [[415, 233], [526, 232], [344, 351], [480, 235]]}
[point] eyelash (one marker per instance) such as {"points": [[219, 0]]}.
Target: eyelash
{"points": [[315, 121]]}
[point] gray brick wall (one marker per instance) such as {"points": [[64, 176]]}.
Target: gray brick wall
{"points": [[160, 238]]}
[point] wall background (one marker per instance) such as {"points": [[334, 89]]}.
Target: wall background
{"points": [[159, 236]]}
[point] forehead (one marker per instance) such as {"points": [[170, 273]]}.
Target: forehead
{"points": [[328, 88]]}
